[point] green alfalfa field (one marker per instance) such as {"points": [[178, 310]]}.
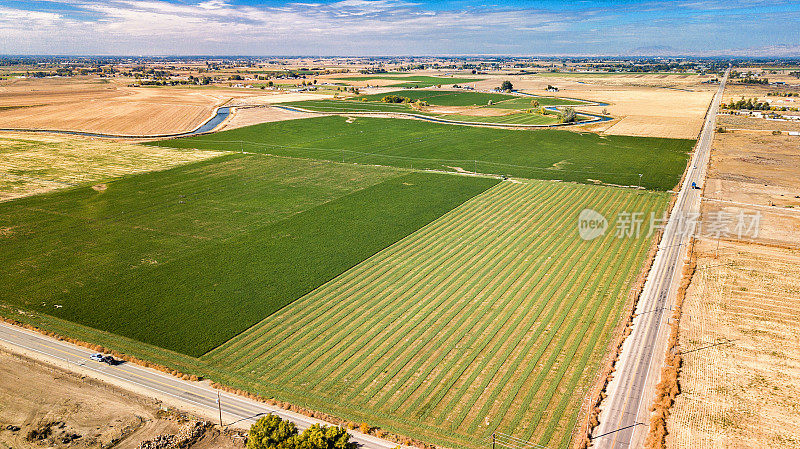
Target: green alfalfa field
{"points": [[189, 257], [533, 154]]}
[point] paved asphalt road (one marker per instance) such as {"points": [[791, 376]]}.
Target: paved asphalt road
{"points": [[170, 389], [624, 419]]}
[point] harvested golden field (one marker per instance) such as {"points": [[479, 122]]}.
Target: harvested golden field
{"points": [[643, 105], [104, 106], [740, 341], [756, 172], [36, 163]]}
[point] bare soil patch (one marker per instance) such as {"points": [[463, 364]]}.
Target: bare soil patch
{"points": [[735, 122], [54, 408], [757, 172]]}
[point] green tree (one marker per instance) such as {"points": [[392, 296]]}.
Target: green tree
{"points": [[535, 103], [324, 437], [271, 432], [567, 115], [507, 86]]}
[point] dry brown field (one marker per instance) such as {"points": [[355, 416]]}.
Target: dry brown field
{"points": [[74, 405], [35, 163], [757, 172], [740, 326], [255, 115], [739, 122], [643, 105], [107, 106], [740, 342]]}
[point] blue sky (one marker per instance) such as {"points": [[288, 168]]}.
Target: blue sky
{"points": [[401, 27]]}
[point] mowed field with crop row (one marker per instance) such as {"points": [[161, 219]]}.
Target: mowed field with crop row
{"points": [[492, 318], [539, 154], [187, 258]]}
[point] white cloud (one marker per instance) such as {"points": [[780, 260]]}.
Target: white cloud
{"points": [[357, 27]]}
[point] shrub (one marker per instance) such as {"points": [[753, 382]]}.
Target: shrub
{"points": [[271, 432], [395, 99], [567, 115]]}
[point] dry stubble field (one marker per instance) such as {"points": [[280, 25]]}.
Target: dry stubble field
{"points": [[740, 326], [107, 106], [37, 163], [740, 337], [643, 105]]}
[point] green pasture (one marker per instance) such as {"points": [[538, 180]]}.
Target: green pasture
{"points": [[526, 102], [537, 154], [521, 118], [444, 97]]}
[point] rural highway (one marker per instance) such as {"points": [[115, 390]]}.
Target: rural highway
{"points": [[625, 412], [237, 410]]}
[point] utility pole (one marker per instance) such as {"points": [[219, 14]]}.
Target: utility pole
{"points": [[640, 182], [492, 440], [219, 406]]}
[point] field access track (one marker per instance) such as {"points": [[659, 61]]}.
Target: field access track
{"points": [[493, 317]]}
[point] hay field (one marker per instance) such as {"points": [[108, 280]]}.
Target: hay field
{"points": [[215, 246], [539, 154], [492, 318], [37, 163], [740, 339], [103, 106]]}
